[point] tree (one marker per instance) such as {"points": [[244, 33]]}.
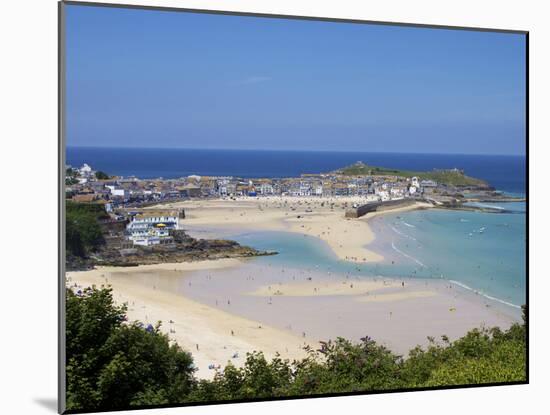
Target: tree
{"points": [[342, 366], [82, 230], [70, 172], [100, 175], [112, 364]]}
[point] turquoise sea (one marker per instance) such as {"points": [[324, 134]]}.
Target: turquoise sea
{"points": [[482, 252]]}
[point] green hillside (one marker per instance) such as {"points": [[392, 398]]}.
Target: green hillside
{"points": [[449, 177]]}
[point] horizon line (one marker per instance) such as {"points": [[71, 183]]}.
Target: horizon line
{"points": [[294, 150]]}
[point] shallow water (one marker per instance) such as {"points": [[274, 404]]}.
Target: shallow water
{"points": [[400, 325], [484, 252]]}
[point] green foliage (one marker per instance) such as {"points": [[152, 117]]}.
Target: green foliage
{"points": [[341, 366], [505, 362], [448, 177], [258, 378], [82, 230], [112, 364], [70, 172], [482, 356], [94, 209], [100, 175]]}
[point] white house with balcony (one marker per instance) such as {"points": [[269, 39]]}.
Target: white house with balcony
{"points": [[153, 227]]}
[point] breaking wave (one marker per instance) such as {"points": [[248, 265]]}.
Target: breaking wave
{"points": [[483, 294], [406, 255], [402, 234]]}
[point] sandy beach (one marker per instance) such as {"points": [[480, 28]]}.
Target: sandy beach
{"points": [[213, 336], [215, 310], [318, 217], [322, 289]]}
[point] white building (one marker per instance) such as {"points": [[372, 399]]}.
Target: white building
{"points": [[396, 192], [305, 189], [154, 235], [266, 189], [153, 227], [117, 191], [85, 171], [383, 195]]}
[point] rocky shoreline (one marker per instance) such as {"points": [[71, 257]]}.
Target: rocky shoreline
{"points": [[184, 249]]}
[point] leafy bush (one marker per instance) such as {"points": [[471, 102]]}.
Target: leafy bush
{"points": [[82, 230], [99, 175], [112, 364]]}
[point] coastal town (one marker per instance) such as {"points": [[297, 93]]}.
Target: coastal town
{"points": [[128, 200], [84, 185]]}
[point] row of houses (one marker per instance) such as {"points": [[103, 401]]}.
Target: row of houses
{"points": [[326, 187], [131, 190]]}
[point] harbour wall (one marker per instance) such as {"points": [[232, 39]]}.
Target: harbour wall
{"points": [[378, 207]]}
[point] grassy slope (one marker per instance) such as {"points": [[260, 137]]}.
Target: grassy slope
{"points": [[444, 177]]}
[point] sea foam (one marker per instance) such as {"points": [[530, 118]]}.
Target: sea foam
{"points": [[483, 294]]}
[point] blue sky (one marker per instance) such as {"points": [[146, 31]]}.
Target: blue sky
{"points": [[141, 78]]}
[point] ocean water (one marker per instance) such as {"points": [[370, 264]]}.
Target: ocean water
{"points": [[433, 244], [485, 252], [503, 172]]}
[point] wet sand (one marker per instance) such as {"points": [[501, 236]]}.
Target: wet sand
{"points": [[400, 313], [225, 308]]}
